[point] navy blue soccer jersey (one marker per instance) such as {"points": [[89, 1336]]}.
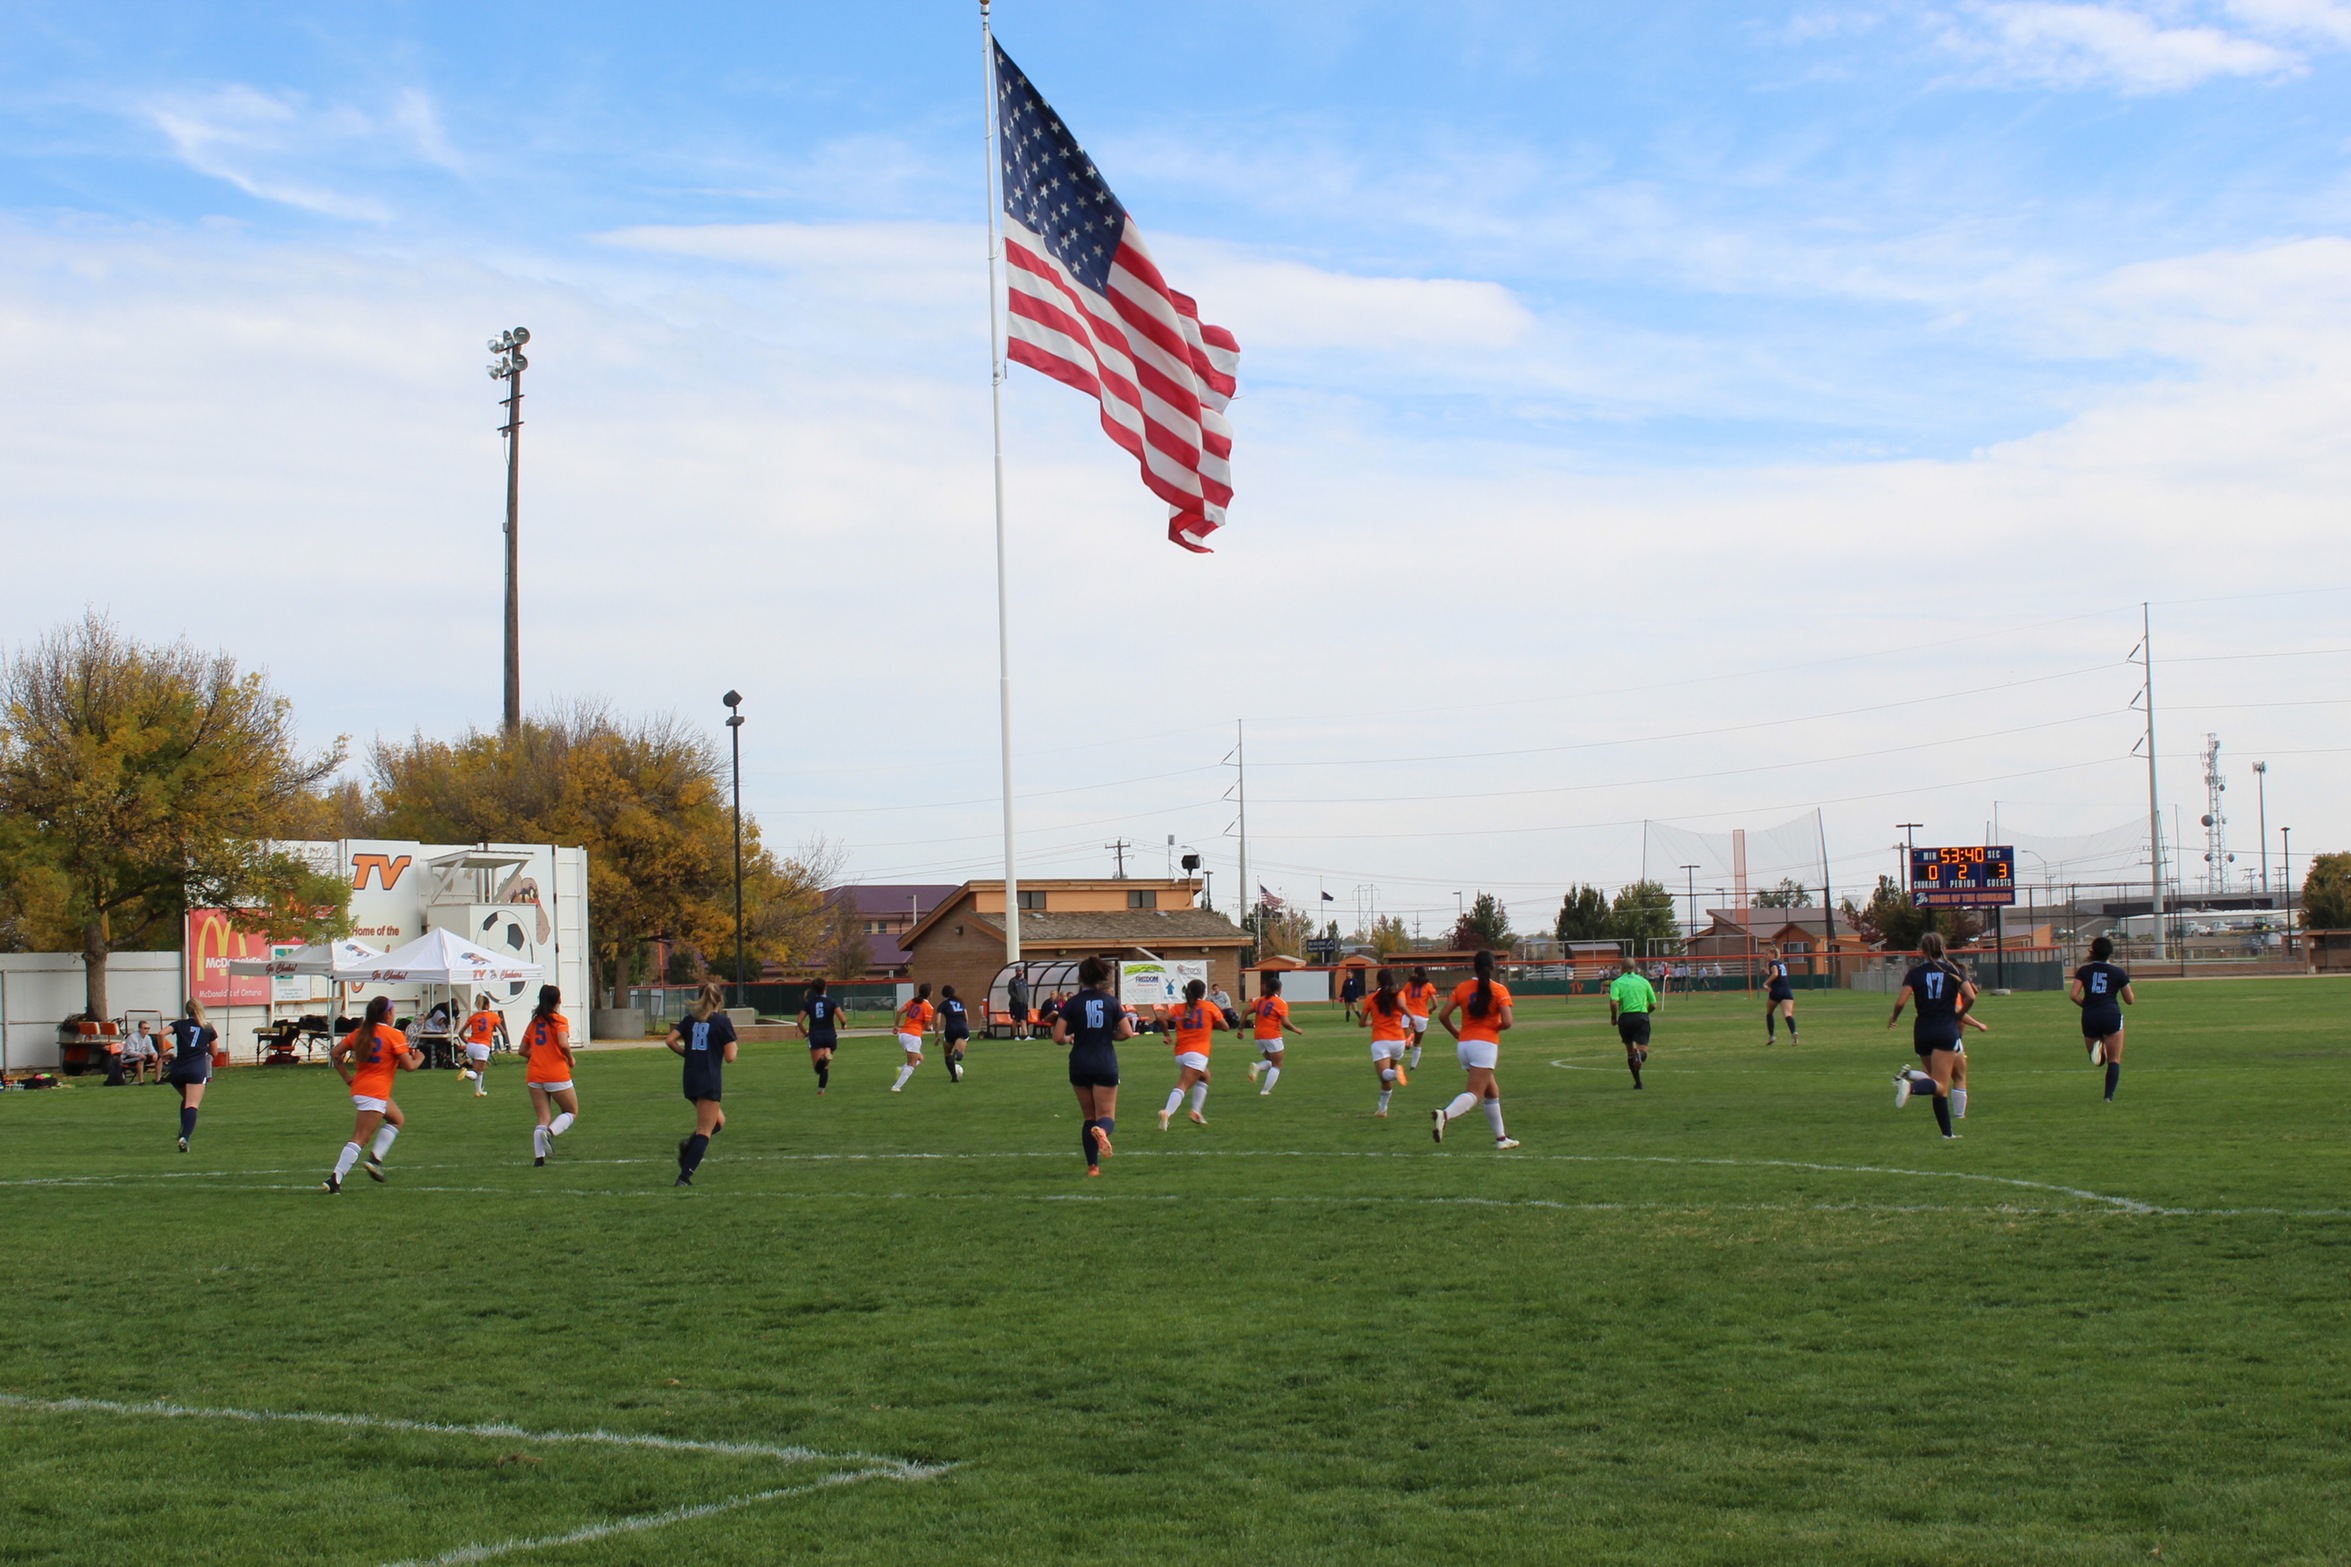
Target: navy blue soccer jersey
{"points": [[1092, 1020], [1936, 991], [706, 1040], [2102, 984], [824, 1020], [954, 1022]]}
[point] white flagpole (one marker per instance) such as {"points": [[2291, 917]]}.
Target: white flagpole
{"points": [[996, 398]]}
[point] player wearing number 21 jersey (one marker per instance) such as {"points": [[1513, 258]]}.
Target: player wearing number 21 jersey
{"points": [[1191, 1030]]}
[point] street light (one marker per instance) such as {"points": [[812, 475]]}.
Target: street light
{"points": [[734, 701], [2261, 789], [508, 367]]}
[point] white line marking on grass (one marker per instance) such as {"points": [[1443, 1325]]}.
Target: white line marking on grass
{"points": [[872, 1467]]}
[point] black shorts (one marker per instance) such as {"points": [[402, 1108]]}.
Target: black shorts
{"points": [[2101, 1023], [1927, 1047], [824, 1044], [1093, 1068], [187, 1070], [1633, 1028], [956, 1041], [702, 1087], [1782, 993]]}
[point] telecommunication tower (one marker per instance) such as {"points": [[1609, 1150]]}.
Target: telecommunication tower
{"points": [[2216, 825]]}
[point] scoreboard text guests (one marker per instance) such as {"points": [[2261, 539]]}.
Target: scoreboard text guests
{"points": [[1968, 878]]}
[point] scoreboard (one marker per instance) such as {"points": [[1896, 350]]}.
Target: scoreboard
{"points": [[1968, 878]]}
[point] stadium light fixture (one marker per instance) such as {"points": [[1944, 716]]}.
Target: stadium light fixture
{"points": [[508, 367], [734, 703]]}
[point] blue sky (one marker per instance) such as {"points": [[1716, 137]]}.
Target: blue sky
{"points": [[1606, 376]]}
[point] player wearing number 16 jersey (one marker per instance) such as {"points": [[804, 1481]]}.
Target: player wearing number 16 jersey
{"points": [[2102, 990], [1090, 1024]]}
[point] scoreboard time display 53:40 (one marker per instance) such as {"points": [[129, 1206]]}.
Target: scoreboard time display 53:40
{"points": [[1968, 878]]}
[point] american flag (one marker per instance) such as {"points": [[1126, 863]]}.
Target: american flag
{"points": [[1086, 305]]}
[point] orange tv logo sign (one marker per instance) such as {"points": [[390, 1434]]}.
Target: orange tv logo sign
{"points": [[385, 868]]}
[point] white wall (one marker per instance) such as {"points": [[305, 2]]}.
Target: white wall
{"points": [[39, 990]]}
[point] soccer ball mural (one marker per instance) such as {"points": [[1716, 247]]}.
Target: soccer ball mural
{"points": [[507, 931]]}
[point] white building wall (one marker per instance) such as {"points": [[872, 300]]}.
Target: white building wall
{"points": [[39, 990]]}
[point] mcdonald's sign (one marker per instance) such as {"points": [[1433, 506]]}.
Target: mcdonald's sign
{"points": [[211, 944]]}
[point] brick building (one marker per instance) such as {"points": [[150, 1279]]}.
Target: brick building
{"points": [[884, 913], [961, 942]]}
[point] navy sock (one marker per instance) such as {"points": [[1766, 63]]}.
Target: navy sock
{"points": [[824, 1074], [1086, 1144], [2113, 1076], [1943, 1113], [1791, 1028], [1771, 1025], [188, 1118], [696, 1146]]}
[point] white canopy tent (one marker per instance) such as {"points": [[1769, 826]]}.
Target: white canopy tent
{"points": [[345, 960], [442, 957]]}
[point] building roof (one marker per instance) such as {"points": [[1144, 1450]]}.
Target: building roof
{"points": [[1767, 920], [893, 898], [1122, 928]]}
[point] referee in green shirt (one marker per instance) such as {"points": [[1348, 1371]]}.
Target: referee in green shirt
{"points": [[1631, 1000]]}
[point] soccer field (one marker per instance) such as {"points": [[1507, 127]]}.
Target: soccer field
{"points": [[1750, 1314]]}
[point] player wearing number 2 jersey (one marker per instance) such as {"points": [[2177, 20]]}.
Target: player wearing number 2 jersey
{"points": [[1943, 994], [2102, 990]]}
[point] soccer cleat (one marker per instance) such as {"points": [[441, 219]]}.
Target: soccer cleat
{"points": [[1401, 1080], [897, 1088], [1198, 1119], [375, 1168], [683, 1179], [1102, 1143], [183, 1145], [1262, 1092], [1950, 1137], [1503, 1143], [1093, 1170], [1901, 1089], [1255, 1067], [1379, 1115], [2097, 1052], [1163, 1118], [332, 1184], [1437, 1131], [537, 1160]]}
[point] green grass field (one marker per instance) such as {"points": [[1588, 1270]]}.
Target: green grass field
{"points": [[1750, 1314]]}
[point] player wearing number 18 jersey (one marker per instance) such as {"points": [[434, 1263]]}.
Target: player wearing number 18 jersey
{"points": [[2102, 990]]}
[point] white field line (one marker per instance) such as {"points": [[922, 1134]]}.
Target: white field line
{"points": [[871, 1467]]}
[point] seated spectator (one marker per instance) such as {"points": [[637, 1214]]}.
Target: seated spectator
{"points": [[142, 1053]]}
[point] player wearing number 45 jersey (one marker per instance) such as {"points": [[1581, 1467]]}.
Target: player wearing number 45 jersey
{"points": [[1943, 994], [2102, 990]]}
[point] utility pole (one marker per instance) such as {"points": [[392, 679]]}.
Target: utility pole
{"points": [[508, 367], [2146, 650], [1909, 847], [2261, 792], [734, 703], [2286, 870], [1241, 787], [1690, 881], [1120, 849]]}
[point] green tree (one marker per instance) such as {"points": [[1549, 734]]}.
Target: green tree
{"points": [[846, 952], [1283, 932], [1583, 915], [139, 781], [1789, 894], [645, 798], [1888, 919], [1643, 913], [1387, 936], [1485, 924], [2326, 893]]}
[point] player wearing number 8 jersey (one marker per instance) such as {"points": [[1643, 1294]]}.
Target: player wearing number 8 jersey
{"points": [[2102, 990], [1943, 994], [1192, 1030], [1483, 1005]]}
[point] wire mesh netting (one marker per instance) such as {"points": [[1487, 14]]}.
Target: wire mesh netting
{"points": [[1735, 861]]}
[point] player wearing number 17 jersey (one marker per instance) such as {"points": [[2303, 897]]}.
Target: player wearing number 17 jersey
{"points": [[1943, 994]]}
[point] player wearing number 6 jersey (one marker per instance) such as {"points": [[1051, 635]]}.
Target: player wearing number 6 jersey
{"points": [[1391, 1033], [2102, 990], [1943, 994], [1192, 1030]]}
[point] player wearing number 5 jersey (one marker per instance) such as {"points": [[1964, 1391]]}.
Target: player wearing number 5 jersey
{"points": [[1484, 1009], [2102, 990], [546, 1048], [1192, 1030], [1943, 994], [1090, 1024], [369, 1057], [1270, 1016]]}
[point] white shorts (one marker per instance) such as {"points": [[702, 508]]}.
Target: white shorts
{"points": [[477, 1052], [1478, 1052], [363, 1103], [1269, 1047], [563, 1087], [910, 1043], [1387, 1049], [1420, 1025], [1194, 1059]]}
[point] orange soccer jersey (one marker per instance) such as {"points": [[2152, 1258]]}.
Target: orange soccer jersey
{"points": [[481, 1027], [1420, 1000], [1488, 1028], [915, 1016], [1387, 1025], [1194, 1028], [1271, 1012], [546, 1042], [378, 1051]]}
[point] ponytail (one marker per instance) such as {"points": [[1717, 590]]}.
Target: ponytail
{"points": [[550, 998], [1385, 998], [1483, 1002]]}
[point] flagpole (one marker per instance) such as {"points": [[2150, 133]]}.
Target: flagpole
{"points": [[996, 401]]}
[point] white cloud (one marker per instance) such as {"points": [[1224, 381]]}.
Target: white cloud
{"points": [[2104, 45], [2327, 21], [281, 147]]}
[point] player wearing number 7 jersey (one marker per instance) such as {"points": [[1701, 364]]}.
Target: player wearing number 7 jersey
{"points": [[2102, 990]]}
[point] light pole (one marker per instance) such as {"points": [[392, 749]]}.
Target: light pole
{"points": [[508, 367], [1690, 886], [2286, 871], [1909, 848], [2261, 791], [734, 701]]}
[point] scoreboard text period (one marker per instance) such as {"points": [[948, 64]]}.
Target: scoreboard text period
{"points": [[1968, 878]]}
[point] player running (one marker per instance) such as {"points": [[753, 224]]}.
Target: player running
{"points": [[2101, 989], [1192, 1030], [483, 1028], [1420, 1000], [705, 1038], [820, 1025], [914, 1021], [1944, 994], [368, 1057], [547, 1056], [954, 1031], [191, 1064], [1483, 1005], [1632, 1001], [1272, 1015], [1391, 1033], [1090, 1024], [1779, 998]]}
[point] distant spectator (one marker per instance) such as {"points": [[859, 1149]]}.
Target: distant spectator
{"points": [[140, 1049]]}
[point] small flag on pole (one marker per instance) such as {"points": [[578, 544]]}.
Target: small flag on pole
{"points": [[1086, 305], [1266, 899]]}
